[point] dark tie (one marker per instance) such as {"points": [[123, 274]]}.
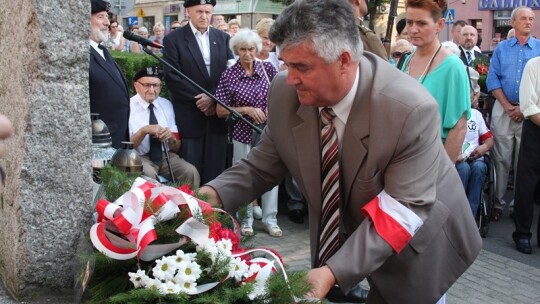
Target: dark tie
{"points": [[110, 62], [469, 58], [155, 145], [329, 229]]}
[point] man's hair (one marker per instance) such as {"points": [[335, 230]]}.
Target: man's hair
{"points": [[461, 23], [328, 24], [513, 15]]}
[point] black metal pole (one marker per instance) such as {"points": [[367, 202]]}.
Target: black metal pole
{"points": [[390, 26], [165, 147]]}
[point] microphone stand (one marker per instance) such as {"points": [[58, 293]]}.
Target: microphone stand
{"points": [[233, 116]]}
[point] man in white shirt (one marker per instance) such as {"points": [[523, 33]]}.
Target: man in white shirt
{"points": [[201, 53], [152, 127], [527, 191]]}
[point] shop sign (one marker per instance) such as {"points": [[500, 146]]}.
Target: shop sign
{"points": [[503, 22], [499, 5]]}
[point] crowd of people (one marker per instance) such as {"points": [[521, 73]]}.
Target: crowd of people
{"points": [[337, 97]]}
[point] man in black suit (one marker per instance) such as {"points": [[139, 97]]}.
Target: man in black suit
{"points": [[108, 88], [468, 40], [201, 53]]}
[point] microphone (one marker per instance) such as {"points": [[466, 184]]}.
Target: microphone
{"points": [[143, 41]]}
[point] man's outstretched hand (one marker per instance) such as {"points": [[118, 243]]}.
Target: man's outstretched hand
{"points": [[321, 279]]}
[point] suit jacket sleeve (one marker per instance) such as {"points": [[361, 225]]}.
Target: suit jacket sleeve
{"points": [[409, 178]]}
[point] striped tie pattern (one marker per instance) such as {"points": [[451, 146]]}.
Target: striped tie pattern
{"points": [[469, 58], [329, 229]]}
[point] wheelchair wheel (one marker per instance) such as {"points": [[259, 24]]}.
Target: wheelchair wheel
{"points": [[483, 215], [486, 200]]}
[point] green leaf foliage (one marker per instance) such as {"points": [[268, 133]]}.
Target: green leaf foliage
{"points": [[116, 182]]}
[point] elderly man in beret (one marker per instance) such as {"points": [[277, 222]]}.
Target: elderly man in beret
{"points": [[109, 95], [201, 53], [151, 124]]}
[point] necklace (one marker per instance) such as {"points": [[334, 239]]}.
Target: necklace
{"points": [[428, 66]]}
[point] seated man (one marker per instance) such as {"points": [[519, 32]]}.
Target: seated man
{"points": [[478, 140], [152, 126]]}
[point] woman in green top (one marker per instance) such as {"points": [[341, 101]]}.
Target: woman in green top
{"points": [[440, 71]]}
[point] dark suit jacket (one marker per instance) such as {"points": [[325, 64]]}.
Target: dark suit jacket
{"points": [[463, 57], [182, 51], [109, 96], [391, 142]]}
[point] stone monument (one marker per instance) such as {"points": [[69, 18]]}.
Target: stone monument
{"points": [[47, 201]]}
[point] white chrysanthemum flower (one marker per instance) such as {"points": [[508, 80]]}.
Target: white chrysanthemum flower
{"points": [[210, 248], [169, 288], [191, 270], [182, 256], [137, 278], [238, 269], [188, 287], [225, 246], [165, 269], [150, 283]]}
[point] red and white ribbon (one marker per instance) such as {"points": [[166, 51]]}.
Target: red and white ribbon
{"points": [[133, 215]]}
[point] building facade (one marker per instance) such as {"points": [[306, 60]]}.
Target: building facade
{"points": [[149, 12], [492, 17]]}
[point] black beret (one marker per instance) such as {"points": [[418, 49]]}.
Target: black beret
{"points": [[188, 3], [152, 71], [401, 25], [100, 6]]}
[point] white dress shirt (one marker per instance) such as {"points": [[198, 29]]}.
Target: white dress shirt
{"points": [[139, 117], [529, 89], [203, 39], [343, 109], [95, 46]]}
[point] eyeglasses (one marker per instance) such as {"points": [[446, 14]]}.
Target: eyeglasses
{"points": [[114, 26], [150, 85], [176, 27], [398, 54]]}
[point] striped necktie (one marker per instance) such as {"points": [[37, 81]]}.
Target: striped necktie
{"points": [[329, 229], [469, 58]]}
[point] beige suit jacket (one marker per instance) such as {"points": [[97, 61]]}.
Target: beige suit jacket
{"points": [[391, 141]]}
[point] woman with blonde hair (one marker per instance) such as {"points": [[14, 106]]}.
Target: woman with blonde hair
{"points": [[441, 72], [267, 52]]}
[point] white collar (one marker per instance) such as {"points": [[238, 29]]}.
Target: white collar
{"points": [[195, 31], [343, 107]]}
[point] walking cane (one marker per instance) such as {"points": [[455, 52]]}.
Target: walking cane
{"points": [[165, 146]]}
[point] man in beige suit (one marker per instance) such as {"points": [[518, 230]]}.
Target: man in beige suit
{"points": [[404, 221]]}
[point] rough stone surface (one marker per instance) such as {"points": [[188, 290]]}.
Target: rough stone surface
{"points": [[44, 92]]}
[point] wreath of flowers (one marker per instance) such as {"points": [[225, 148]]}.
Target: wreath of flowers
{"points": [[157, 243]]}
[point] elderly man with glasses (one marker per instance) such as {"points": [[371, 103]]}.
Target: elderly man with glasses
{"points": [[152, 128]]}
